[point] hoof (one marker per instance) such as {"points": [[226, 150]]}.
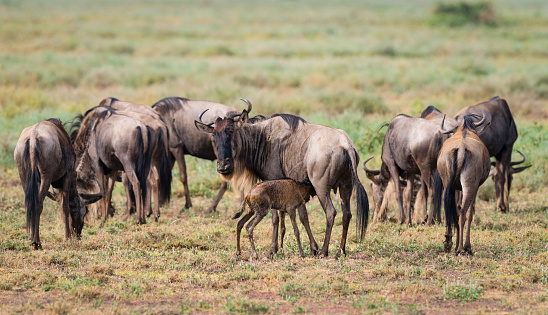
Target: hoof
{"points": [[188, 205], [37, 246], [468, 251]]}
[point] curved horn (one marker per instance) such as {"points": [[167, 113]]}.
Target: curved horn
{"points": [[92, 198], [200, 118], [479, 123], [443, 130], [368, 171], [248, 104], [518, 162]]}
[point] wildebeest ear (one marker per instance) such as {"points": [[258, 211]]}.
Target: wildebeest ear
{"points": [[203, 127], [243, 118], [482, 128]]}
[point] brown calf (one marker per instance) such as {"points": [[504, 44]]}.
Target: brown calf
{"points": [[284, 195]]}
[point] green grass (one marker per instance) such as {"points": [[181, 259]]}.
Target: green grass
{"points": [[349, 65]]}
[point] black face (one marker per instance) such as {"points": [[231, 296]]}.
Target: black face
{"points": [[222, 137]]}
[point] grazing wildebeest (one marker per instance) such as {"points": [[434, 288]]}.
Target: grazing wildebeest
{"points": [[499, 140], [410, 147], [108, 141], [285, 195], [179, 114], [287, 146], [463, 164], [44, 157], [159, 180]]}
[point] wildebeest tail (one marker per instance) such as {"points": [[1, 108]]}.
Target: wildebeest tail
{"points": [[164, 171], [362, 210], [438, 192], [32, 185], [143, 163], [449, 198], [242, 209]]}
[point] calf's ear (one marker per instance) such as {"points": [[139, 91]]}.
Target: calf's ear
{"points": [[203, 127]]}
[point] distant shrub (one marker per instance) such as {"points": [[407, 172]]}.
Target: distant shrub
{"points": [[462, 13]]}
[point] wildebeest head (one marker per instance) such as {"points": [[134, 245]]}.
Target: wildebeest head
{"points": [[222, 131], [511, 170], [378, 183]]}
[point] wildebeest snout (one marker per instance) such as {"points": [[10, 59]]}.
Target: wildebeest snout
{"points": [[225, 166]]}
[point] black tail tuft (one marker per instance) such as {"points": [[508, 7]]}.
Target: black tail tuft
{"points": [[143, 164], [449, 198], [164, 172], [362, 210], [438, 192], [31, 187]]}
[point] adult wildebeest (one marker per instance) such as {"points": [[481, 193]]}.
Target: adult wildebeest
{"points": [[44, 157], [410, 147], [108, 141], [287, 146], [159, 180], [463, 164], [285, 195], [179, 115], [499, 140]]}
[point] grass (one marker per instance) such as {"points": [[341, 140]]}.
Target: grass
{"points": [[348, 65]]}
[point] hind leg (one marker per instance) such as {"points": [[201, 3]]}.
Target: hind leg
{"points": [[467, 245], [259, 215], [448, 243], [345, 192], [180, 157], [282, 228]]}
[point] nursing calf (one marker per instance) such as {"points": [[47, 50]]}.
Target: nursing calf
{"points": [[285, 195]]}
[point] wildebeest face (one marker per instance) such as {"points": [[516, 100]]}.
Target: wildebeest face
{"points": [[222, 137]]}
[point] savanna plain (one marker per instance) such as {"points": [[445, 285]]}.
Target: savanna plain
{"points": [[352, 65]]}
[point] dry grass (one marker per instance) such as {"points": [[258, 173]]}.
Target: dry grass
{"points": [[350, 65]]}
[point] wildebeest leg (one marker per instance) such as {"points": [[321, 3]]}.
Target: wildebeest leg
{"points": [[108, 182], [129, 200], [397, 189], [330, 213], [303, 216], [64, 193], [180, 157], [428, 190], [409, 197], [292, 216], [345, 192], [467, 244], [448, 244], [222, 190], [136, 187], [239, 227], [153, 189], [501, 179], [468, 199], [274, 243], [260, 213], [282, 228]]}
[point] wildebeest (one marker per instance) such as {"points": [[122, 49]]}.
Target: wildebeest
{"points": [[285, 195], [108, 141], [463, 164], [159, 179], [287, 146], [179, 114], [44, 157], [499, 139], [410, 147]]}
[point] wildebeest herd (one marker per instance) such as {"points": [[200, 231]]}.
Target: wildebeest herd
{"points": [[279, 161]]}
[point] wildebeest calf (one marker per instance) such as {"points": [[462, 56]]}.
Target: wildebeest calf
{"points": [[284, 195], [463, 164]]}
